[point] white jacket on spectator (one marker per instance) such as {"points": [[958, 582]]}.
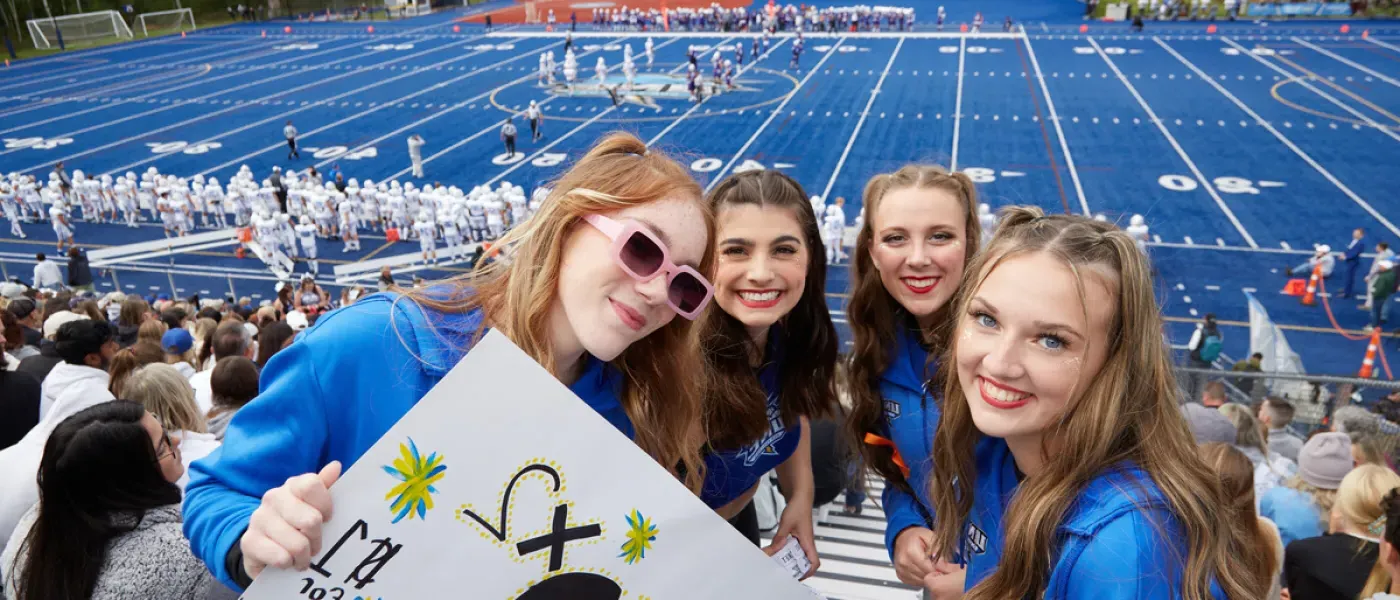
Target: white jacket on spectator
{"points": [[67, 390], [194, 446]]}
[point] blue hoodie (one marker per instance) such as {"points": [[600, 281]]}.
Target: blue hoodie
{"points": [[911, 418], [330, 396], [1118, 540], [730, 473]]}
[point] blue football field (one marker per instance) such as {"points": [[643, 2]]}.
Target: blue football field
{"points": [[1242, 149]]}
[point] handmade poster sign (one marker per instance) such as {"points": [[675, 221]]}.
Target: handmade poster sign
{"points": [[501, 484]]}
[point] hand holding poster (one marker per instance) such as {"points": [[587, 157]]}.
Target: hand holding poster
{"points": [[501, 484]]}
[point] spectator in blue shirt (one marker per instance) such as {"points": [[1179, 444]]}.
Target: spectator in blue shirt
{"points": [[1352, 258]]}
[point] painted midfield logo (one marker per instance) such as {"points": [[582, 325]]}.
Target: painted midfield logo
{"points": [[649, 88]]}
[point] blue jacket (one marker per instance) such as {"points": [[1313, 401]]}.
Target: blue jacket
{"points": [[330, 396], [1118, 540], [911, 418], [1294, 512], [1354, 250], [730, 473]]}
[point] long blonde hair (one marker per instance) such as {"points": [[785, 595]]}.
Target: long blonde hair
{"points": [[168, 395], [663, 388], [1128, 412], [1379, 579], [1237, 484], [874, 315], [1248, 431]]}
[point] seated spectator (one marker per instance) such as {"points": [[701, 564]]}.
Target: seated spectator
{"points": [[1335, 566], [111, 305], [309, 297], [15, 347], [1276, 414], [1208, 424], [234, 383], [19, 403], [1270, 468], [174, 316], [1322, 255], [166, 393], [88, 308], [179, 350], [203, 329], [134, 313], [1354, 419], [1366, 450], [152, 331], [127, 360], [26, 311], [272, 338], [41, 364], [78, 382], [1384, 581], [1389, 407], [1300, 507], [108, 517], [229, 339], [1237, 481]]}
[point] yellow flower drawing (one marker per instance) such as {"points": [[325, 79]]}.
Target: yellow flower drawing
{"points": [[416, 475], [640, 534]]}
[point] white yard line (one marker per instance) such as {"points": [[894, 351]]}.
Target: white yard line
{"points": [[957, 105], [874, 93], [719, 175], [1377, 42], [1366, 206], [1059, 131], [1346, 61], [52, 75], [672, 124], [1201, 178]]}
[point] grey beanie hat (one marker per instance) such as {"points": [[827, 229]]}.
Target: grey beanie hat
{"points": [[1325, 460]]}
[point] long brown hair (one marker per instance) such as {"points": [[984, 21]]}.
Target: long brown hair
{"points": [[662, 389], [735, 401], [1237, 485], [1127, 413], [874, 315]]}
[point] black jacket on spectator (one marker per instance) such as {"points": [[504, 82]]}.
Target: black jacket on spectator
{"points": [[32, 337], [78, 272], [40, 364], [19, 405], [126, 335], [1328, 567]]}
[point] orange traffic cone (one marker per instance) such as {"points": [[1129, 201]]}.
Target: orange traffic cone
{"points": [[1346, 28], [1308, 298], [1211, 29], [1295, 287], [1365, 33], [1368, 365], [1083, 29]]}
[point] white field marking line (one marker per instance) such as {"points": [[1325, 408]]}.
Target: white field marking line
{"points": [[1282, 138], [193, 83], [874, 93], [347, 119], [269, 96], [152, 80], [236, 106], [484, 130], [1346, 61], [59, 73], [1303, 81], [719, 175], [1059, 131], [691, 110], [452, 108], [1205, 183], [571, 132], [79, 54], [1383, 44], [152, 70], [52, 75], [957, 106], [806, 35]]}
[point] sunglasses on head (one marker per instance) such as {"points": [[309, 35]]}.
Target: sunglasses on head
{"points": [[643, 256]]}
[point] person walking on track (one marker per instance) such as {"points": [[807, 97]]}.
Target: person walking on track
{"points": [[415, 153], [290, 131], [508, 136], [533, 115]]}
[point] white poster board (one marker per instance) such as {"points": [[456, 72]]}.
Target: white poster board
{"points": [[502, 484]]}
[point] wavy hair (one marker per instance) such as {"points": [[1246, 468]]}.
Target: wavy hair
{"points": [[663, 387], [1379, 579], [735, 401], [1237, 484], [1127, 413], [874, 315]]}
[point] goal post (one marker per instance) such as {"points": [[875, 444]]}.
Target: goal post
{"points": [[77, 29], [180, 19]]}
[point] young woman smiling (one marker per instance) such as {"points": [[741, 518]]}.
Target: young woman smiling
{"points": [[1062, 464], [921, 228], [620, 248], [771, 352]]}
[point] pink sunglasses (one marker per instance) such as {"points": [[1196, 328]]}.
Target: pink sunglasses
{"points": [[643, 256]]}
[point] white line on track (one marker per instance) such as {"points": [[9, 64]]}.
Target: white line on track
{"points": [[360, 114], [52, 75], [874, 93], [1303, 81], [1383, 44], [1284, 139], [957, 106], [719, 175], [240, 72], [468, 139], [1344, 60], [1059, 131], [270, 96], [1205, 183], [124, 75], [687, 113]]}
